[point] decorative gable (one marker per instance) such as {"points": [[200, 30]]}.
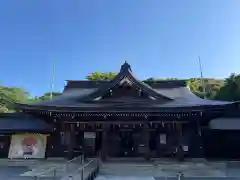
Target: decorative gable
{"points": [[126, 85], [125, 81]]}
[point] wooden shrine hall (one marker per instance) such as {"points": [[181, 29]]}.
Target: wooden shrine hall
{"points": [[126, 117]]}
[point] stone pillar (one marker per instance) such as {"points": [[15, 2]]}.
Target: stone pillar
{"points": [[104, 146], [71, 145], [146, 136]]}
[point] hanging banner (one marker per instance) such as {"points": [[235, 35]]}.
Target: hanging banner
{"points": [[28, 146]]}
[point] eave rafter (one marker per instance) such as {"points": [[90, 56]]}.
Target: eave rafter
{"points": [[73, 115]]}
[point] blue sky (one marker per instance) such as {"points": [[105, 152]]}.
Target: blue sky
{"points": [[159, 38]]}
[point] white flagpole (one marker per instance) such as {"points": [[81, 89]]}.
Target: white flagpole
{"points": [[202, 80], [53, 76]]}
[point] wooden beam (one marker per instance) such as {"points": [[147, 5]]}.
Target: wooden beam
{"points": [[124, 122]]}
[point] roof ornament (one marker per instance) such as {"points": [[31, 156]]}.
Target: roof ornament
{"points": [[126, 67]]}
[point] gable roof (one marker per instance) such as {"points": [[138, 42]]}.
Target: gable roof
{"points": [[166, 94], [125, 75]]}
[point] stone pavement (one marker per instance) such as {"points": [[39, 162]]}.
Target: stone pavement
{"points": [[165, 169], [159, 170], [12, 173], [123, 178], [160, 178], [191, 169], [28, 169], [13, 169]]}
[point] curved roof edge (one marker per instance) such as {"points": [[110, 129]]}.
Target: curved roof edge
{"points": [[118, 108], [23, 122], [80, 98]]}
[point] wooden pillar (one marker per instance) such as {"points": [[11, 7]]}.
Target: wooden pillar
{"points": [[180, 153], [71, 145], [146, 136], [104, 146], [198, 136]]}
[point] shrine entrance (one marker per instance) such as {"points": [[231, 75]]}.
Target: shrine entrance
{"points": [[127, 144]]}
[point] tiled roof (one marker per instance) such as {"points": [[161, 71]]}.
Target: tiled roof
{"points": [[175, 95], [21, 122]]}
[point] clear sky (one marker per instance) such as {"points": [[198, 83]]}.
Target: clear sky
{"points": [[159, 38]]}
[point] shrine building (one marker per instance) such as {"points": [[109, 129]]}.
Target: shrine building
{"points": [[126, 117]]}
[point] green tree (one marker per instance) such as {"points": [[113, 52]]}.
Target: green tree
{"points": [[101, 76], [47, 96], [9, 95], [231, 89]]}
